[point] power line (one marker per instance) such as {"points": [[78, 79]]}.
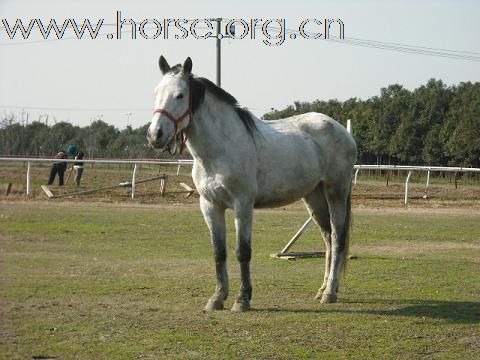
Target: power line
{"points": [[412, 49], [452, 54], [43, 108], [419, 47]]}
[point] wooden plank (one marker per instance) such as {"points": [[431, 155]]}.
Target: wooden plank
{"points": [[151, 179], [125, 184], [47, 191], [298, 255], [83, 192], [188, 188]]}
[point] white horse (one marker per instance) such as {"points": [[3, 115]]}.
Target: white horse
{"points": [[242, 163]]}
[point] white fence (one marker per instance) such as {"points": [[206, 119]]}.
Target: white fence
{"points": [[135, 163], [428, 169], [180, 163]]}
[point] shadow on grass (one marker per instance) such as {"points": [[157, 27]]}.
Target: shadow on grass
{"points": [[460, 312]]}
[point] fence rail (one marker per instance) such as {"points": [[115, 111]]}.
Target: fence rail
{"points": [[101, 161], [135, 163], [183, 162]]}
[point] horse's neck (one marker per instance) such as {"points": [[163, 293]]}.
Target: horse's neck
{"points": [[215, 130]]}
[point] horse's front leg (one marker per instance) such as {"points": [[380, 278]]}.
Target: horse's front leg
{"points": [[215, 218], [243, 224]]}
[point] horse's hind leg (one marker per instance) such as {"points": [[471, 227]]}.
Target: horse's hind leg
{"points": [[338, 198], [317, 206], [215, 219]]}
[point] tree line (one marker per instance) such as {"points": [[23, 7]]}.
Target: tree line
{"points": [[434, 124], [99, 139]]}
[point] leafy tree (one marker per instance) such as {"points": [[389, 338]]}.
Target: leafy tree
{"points": [[461, 131]]}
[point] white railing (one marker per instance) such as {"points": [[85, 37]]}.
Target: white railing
{"points": [[180, 163], [408, 168], [135, 163]]}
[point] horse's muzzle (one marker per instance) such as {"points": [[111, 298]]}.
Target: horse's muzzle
{"points": [[154, 137]]}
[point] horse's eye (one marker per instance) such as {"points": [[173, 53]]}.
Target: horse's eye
{"points": [[179, 96]]}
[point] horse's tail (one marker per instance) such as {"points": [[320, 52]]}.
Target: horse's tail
{"points": [[348, 230]]}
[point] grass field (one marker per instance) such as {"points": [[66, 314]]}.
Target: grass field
{"points": [[126, 281]]}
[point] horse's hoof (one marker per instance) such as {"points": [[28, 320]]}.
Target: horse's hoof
{"points": [[213, 305], [328, 298], [241, 306], [320, 292]]}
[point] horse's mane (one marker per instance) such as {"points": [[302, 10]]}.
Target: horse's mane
{"points": [[199, 85]]}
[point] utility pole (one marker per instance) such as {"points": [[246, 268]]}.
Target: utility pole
{"points": [[219, 51], [128, 117]]}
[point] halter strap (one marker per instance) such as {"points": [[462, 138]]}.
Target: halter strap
{"points": [[178, 120]]}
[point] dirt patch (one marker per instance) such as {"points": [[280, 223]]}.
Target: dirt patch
{"points": [[293, 208]]}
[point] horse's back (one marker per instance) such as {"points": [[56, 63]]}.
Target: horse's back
{"points": [[295, 154], [315, 134], [334, 142]]}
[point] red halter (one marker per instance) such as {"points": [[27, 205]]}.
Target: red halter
{"points": [[178, 120]]}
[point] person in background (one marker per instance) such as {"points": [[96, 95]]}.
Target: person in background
{"points": [[78, 165], [58, 167]]}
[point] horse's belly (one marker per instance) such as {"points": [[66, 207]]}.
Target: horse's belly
{"points": [[285, 190], [287, 172], [271, 201]]}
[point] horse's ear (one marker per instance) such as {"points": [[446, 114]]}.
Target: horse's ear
{"points": [[164, 67], [187, 66]]}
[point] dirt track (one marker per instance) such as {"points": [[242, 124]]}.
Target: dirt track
{"points": [[298, 206]]}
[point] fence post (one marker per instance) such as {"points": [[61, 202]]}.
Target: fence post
{"points": [[428, 178], [133, 180], [178, 170], [349, 126], [29, 186], [406, 186], [356, 173], [163, 185]]}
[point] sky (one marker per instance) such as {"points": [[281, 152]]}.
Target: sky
{"points": [[113, 79]]}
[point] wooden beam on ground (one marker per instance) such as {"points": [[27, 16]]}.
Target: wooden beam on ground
{"points": [[47, 191], [188, 188], [84, 192], [288, 255], [298, 255]]}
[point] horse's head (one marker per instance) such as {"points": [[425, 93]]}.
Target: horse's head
{"points": [[173, 106]]}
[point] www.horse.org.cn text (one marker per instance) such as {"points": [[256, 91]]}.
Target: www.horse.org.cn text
{"points": [[271, 32]]}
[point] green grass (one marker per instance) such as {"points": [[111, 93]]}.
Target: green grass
{"points": [[121, 282]]}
